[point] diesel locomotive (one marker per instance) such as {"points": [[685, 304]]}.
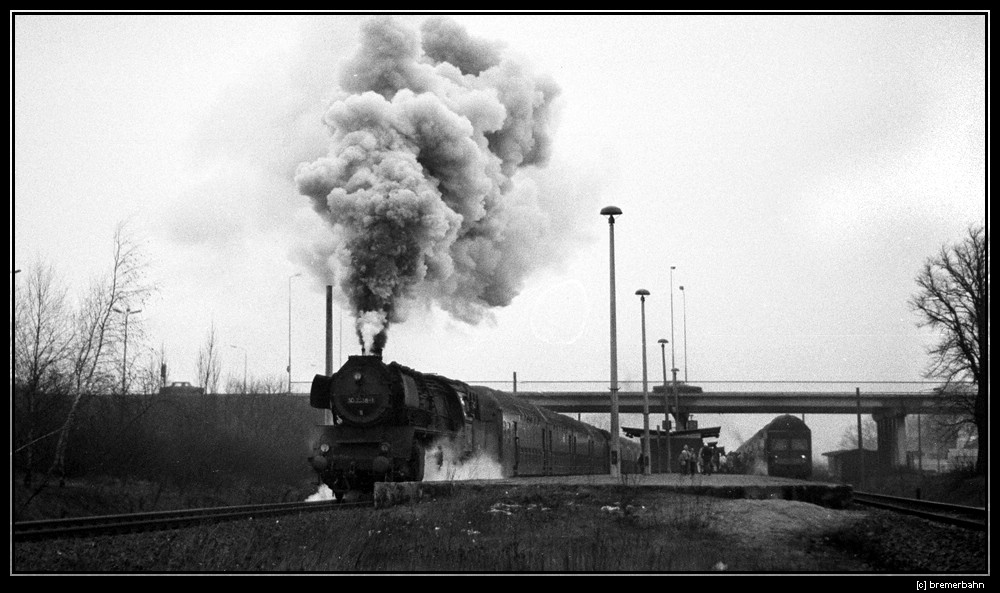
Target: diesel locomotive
{"points": [[783, 448], [386, 418]]}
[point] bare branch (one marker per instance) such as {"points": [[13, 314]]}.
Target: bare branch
{"points": [[954, 287]]}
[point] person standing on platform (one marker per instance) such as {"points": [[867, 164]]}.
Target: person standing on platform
{"points": [[686, 461], [705, 455]]}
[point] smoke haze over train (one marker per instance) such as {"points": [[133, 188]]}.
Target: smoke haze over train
{"points": [[421, 184]]}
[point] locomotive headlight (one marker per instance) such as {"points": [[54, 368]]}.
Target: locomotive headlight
{"points": [[324, 448], [357, 376], [384, 449]]}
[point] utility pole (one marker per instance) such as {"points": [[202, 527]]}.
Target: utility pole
{"points": [[289, 369], [861, 447]]}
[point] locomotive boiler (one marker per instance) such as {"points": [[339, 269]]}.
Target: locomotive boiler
{"points": [[387, 417]]}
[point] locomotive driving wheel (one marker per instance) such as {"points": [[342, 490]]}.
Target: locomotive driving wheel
{"points": [[340, 487], [417, 463]]}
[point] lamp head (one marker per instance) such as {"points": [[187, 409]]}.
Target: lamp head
{"points": [[611, 212], [642, 292]]}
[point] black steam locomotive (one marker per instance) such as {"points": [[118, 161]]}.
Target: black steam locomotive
{"points": [[783, 448], [390, 421]]}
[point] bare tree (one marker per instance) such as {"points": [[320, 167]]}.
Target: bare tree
{"points": [[234, 384], [954, 286], [97, 335], [869, 433], [268, 384], [41, 344], [937, 434], [149, 375], [209, 363]]}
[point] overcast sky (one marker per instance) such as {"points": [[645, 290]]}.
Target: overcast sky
{"points": [[797, 171]]}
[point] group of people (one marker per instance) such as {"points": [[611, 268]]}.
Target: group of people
{"points": [[707, 460]]}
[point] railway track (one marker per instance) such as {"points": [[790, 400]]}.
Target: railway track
{"points": [[960, 515], [161, 520]]}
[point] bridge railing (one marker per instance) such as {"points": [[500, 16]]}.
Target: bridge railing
{"points": [[798, 386]]}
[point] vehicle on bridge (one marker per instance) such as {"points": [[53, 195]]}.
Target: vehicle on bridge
{"points": [[181, 388], [681, 388], [782, 448], [391, 423]]}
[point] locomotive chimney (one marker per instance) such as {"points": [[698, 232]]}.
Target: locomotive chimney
{"points": [[329, 330]]}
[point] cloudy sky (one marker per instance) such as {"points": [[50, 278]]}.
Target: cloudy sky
{"points": [[796, 170]]}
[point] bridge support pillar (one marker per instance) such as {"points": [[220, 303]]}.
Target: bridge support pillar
{"points": [[891, 439]]}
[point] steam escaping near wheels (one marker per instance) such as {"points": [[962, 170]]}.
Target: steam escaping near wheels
{"points": [[323, 493], [445, 460]]}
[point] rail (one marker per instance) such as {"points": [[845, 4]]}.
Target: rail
{"points": [[159, 520], [963, 516]]}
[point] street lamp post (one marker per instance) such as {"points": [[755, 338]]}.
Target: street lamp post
{"points": [[646, 469], [673, 360], [244, 365], [289, 369], [615, 468], [126, 313], [685, 309], [666, 402]]}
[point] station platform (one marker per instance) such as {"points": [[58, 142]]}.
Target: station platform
{"points": [[720, 485]]}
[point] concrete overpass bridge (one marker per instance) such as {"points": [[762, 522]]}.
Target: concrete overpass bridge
{"points": [[740, 402], [889, 409]]}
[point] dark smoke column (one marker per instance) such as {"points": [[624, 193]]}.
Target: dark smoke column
{"points": [[419, 185]]}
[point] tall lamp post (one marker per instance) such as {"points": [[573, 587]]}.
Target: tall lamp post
{"points": [[611, 212], [673, 360], [289, 369], [244, 365], [646, 469], [685, 309], [126, 313], [666, 401]]}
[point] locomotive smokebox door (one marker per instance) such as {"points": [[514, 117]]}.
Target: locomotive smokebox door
{"points": [[362, 392]]}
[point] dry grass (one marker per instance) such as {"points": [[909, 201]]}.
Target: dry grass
{"points": [[613, 530]]}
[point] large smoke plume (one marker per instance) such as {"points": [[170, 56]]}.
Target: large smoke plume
{"points": [[421, 184]]}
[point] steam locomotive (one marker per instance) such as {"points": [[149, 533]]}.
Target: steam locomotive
{"points": [[782, 448], [389, 420]]}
